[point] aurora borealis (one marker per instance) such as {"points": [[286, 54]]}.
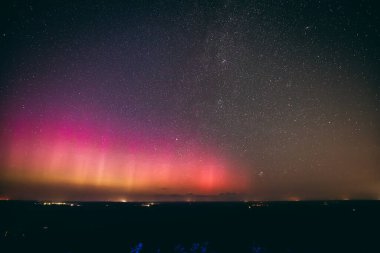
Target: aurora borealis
{"points": [[110, 100], [90, 154]]}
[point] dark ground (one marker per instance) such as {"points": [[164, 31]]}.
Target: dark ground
{"points": [[335, 226]]}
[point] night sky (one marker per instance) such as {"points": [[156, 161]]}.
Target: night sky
{"points": [[189, 100]]}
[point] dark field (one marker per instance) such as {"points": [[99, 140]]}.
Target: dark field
{"points": [[335, 226]]}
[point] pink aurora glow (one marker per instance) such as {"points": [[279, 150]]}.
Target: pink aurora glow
{"points": [[87, 153]]}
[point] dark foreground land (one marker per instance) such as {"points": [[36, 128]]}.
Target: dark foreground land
{"points": [[335, 226]]}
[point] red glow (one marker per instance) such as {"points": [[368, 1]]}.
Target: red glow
{"points": [[87, 155]]}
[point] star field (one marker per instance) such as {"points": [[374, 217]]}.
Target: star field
{"points": [[261, 100]]}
